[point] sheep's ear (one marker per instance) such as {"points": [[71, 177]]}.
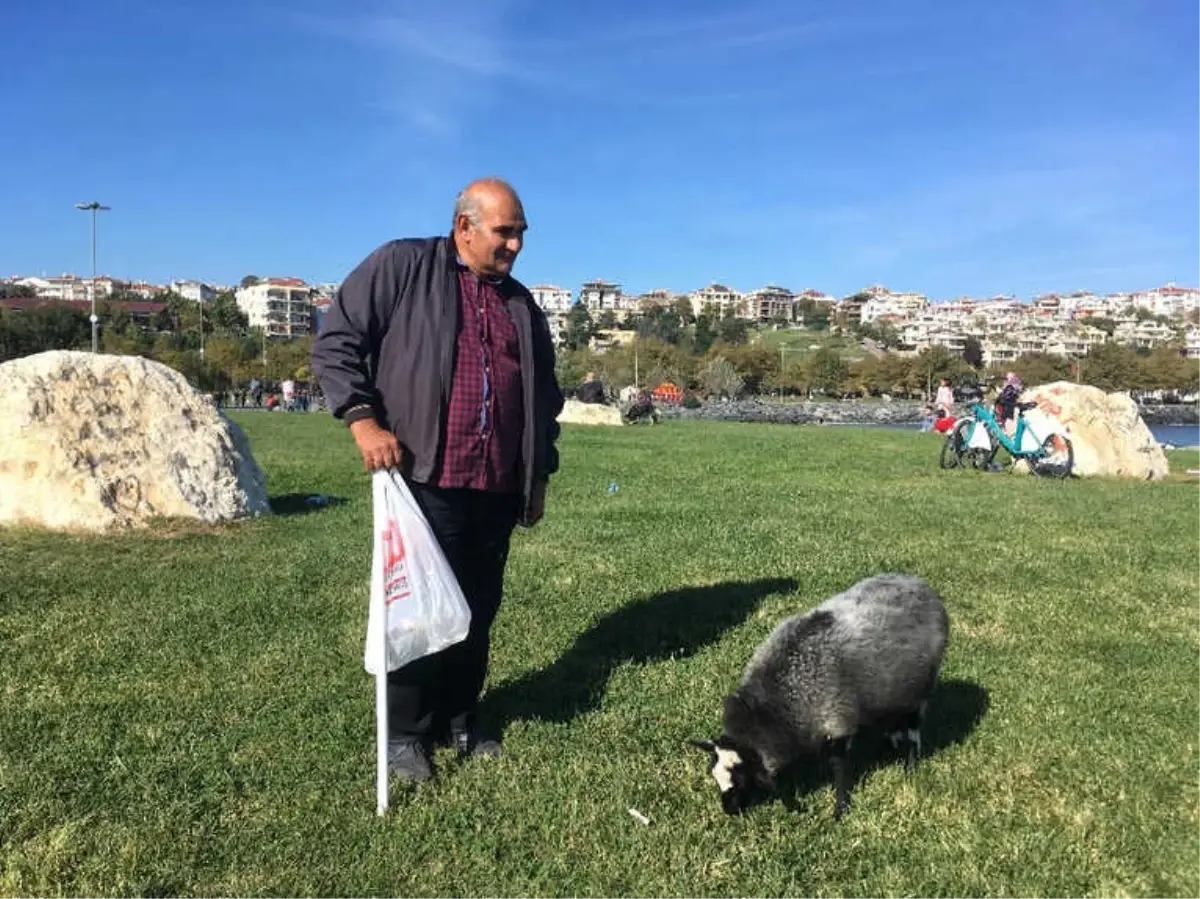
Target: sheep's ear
{"points": [[706, 745]]}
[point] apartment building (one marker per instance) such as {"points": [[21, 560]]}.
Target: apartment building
{"points": [[281, 306], [552, 298], [769, 303], [197, 291], [719, 298], [599, 296], [884, 303]]}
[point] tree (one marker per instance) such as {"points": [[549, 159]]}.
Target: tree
{"points": [[607, 320], [580, 329], [720, 378], [827, 370], [683, 308], [16, 290], [813, 315], [249, 280], [973, 353], [1107, 325], [733, 330], [226, 315], [703, 334], [1110, 367]]}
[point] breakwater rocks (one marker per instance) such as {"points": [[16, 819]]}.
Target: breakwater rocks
{"points": [[802, 413], [872, 412]]}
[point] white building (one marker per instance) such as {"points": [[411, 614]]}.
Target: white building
{"points": [[1170, 300], [1192, 343], [551, 297], [599, 296], [282, 306], [719, 298], [196, 291], [64, 287], [884, 303]]}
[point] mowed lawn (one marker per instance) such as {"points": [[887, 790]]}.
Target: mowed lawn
{"points": [[185, 712]]}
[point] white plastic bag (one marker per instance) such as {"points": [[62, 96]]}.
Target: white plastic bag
{"points": [[414, 590], [980, 438], [410, 578]]}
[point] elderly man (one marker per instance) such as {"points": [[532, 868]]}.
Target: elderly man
{"points": [[442, 366]]}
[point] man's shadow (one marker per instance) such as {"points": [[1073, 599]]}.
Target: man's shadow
{"points": [[955, 710], [675, 623]]}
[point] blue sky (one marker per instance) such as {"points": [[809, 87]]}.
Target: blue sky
{"points": [[951, 148]]}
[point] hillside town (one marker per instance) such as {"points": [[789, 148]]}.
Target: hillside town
{"points": [[1006, 328]]}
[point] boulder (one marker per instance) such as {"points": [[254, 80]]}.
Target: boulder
{"points": [[98, 442], [577, 413], [1107, 433]]}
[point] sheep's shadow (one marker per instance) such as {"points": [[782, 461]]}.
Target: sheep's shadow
{"points": [[955, 710], [303, 503], [675, 623]]}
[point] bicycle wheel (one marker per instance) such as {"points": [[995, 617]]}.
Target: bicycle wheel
{"points": [[1057, 458], [979, 457], [952, 448], [954, 444]]}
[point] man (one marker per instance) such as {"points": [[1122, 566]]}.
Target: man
{"points": [[442, 365], [591, 390]]}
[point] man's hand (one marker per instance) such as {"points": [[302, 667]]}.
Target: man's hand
{"points": [[379, 447], [537, 503]]}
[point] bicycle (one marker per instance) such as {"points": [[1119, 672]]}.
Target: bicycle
{"points": [[1052, 457]]}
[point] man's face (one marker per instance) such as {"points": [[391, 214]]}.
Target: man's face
{"points": [[491, 247]]}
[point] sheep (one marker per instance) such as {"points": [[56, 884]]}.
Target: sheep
{"points": [[868, 657]]}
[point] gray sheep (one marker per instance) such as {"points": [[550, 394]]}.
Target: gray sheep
{"points": [[868, 657]]}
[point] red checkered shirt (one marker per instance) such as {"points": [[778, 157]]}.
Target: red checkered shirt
{"points": [[486, 415]]}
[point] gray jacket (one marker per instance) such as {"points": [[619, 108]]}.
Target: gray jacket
{"points": [[386, 349]]}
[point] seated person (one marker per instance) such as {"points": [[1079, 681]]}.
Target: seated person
{"points": [[591, 390]]}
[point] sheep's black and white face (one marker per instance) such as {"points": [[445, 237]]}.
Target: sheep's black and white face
{"points": [[731, 772]]}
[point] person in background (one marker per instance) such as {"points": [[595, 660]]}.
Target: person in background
{"points": [[1006, 401], [592, 389], [944, 399]]}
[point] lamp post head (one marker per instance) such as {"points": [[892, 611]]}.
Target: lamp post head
{"points": [[94, 206]]}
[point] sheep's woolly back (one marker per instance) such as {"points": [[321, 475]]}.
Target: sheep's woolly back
{"points": [[863, 657]]}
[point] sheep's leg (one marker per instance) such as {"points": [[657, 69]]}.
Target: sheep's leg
{"points": [[839, 760], [913, 735]]}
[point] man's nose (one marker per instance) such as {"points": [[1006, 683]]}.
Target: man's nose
{"points": [[514, 244]]}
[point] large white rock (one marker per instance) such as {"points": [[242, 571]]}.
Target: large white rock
{"points": [[1106, 430], [575, 412], [96, 442]]}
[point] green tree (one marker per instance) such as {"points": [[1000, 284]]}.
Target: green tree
{"points": [[827, 370], [225, 314], [973, 353], [249, 280], [579, 329], [703, 335], [1110, 367], [733, 330], [683, 308]]}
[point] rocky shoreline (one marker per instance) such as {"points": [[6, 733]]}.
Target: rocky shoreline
{"points": [[895, 412]]}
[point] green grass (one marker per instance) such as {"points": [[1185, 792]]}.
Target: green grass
{"points": [[800, 345], [186, 713]]}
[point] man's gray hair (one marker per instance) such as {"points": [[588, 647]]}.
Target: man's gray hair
{"points": [[467, 203]]}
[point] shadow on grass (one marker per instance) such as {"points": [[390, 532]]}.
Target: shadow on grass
{"points": [[674, 623], [955, 710], [303, 503]]}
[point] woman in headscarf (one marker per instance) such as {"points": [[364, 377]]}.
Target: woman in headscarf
{"points": [[1006, 402]]}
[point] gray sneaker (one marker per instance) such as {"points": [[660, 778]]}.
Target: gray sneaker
{"points": [[409, 760]]}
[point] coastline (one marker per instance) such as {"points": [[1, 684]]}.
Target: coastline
{"points": [[894, 413]]}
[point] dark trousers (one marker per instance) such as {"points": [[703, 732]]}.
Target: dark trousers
{"points": [[441, 690]]}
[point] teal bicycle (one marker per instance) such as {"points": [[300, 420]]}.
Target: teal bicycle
{"points": [[975, 439]]}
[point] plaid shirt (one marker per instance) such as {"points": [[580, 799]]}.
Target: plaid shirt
{"points": [[486, 412]]}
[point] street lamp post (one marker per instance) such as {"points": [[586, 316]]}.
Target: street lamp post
{"points": [[93, 207]]}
